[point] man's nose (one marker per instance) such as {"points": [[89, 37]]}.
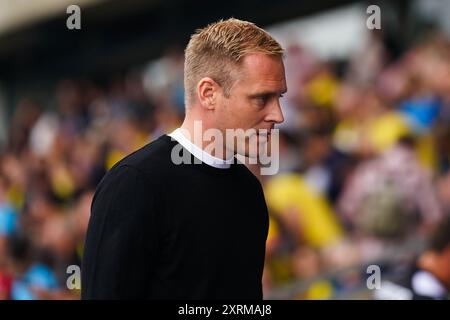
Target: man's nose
{"points": [[275, 115]]}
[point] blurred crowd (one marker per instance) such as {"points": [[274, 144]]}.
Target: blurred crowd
{"points": [[364, 174]]}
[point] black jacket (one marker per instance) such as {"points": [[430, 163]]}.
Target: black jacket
{"points": [[164, 231]]}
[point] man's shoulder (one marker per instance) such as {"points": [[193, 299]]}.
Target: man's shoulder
{"points": [[151, 163], [153, 157]]}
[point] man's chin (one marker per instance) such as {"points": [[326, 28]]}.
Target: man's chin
{"points": [[254, 153], [254, 146]]}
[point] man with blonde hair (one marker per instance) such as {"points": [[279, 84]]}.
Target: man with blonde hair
{"points": [[181, 218]]}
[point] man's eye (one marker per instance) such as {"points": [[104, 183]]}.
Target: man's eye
{"points": [[261, 100]]}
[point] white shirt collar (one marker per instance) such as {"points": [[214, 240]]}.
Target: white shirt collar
{"points": [[426, 284], [199, 153]]}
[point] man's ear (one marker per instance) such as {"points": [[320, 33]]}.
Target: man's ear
{"points": [[207, 92]]}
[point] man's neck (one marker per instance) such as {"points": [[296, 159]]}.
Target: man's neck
{"points": [[194, 132], [428, 262]]}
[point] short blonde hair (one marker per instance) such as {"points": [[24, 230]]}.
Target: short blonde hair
{"points": [[216, 50]]}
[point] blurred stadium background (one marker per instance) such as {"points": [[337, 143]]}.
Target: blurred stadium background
{"points": [[365, 146]]}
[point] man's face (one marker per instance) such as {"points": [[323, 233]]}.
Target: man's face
{"points": [[253, 102]]}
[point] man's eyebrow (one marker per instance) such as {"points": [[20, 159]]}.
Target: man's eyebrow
{"points": [[267, 93]]}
